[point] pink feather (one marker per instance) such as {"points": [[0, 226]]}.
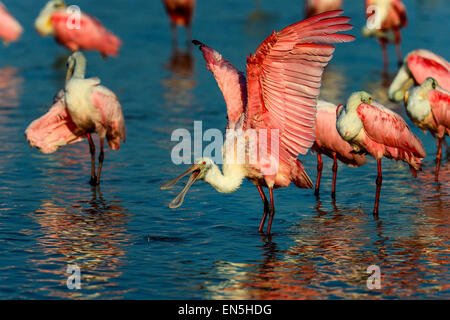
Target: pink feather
{"points": [[54, 129]]}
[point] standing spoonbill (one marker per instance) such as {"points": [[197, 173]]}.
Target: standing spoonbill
{"points": [[372, 128], [84, 107], [330, 143], [279, 96], [314, 7], [180, 14], [384, 18], [75, 30], [428, 106], [10, 28], [419, 65]]}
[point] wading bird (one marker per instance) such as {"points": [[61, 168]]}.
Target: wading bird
{"points": [[75, 30], [278, 100], [372, 128], [330, 143], [428, 106], [180, 14], [419, 65], [10, 28], [314, 7], [385, 19], [83, 108]]}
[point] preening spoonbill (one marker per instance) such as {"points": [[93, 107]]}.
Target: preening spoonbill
{"points": [[428, 106], [374, 129], [419, 65], [278, 96], [84, 107], [10, 28], [385, 19], [330, 143], [75, 30]]}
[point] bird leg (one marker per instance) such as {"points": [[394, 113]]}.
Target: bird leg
{"points": [[319, 173], [335, 167], [101, 156], [92, 151], [266, 208], [379, 181], [438, 157], [271, 212], [398, 38], [385, 56], [173, 28]]}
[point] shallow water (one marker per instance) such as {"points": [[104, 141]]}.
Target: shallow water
{"points": [[125, 239]]}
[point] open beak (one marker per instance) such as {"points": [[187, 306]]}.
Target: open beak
{"points": [[194, 170]]}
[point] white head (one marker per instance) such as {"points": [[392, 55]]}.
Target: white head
{"points": [[402, 82], [416, 101], [356, 98], [348, 123], [76, 65], [199, 171], [43, 23]]}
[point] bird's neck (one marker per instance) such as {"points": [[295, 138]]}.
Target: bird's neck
{"points": [[228, 181], [80, 69]]}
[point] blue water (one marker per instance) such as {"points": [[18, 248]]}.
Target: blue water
{"points": [[129, 244]]}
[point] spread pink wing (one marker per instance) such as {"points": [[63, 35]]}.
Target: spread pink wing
{"points": [[440, 105], [424, 64], [230, 80], [90, 36], [111, 115], [284, 77], [10, 29], [54, 129], [388, 128]]}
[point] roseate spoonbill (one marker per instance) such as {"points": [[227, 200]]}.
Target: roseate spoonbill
{"points": [[314, 7], [84, 107], [419, 65], [279, 96], [330, 143], [372, 128], [10, 28], [428, 106], [180, 14], [384, 18], [75, 30]]}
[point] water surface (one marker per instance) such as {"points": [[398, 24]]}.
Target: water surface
{"points": [[123, 236]]}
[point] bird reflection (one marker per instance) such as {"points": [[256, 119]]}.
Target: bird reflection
{"points": [[378, 85], [331, 252], [180, 83], [90, 233], [259, 22], [333, 85], [10, 83], [10, 89]]}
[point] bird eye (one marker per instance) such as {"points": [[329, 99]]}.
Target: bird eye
{"points": [[433, 84], [204, 162]]}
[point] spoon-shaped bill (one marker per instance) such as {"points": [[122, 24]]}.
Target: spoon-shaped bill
{"points": [[178, 201], [172, 182]]}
